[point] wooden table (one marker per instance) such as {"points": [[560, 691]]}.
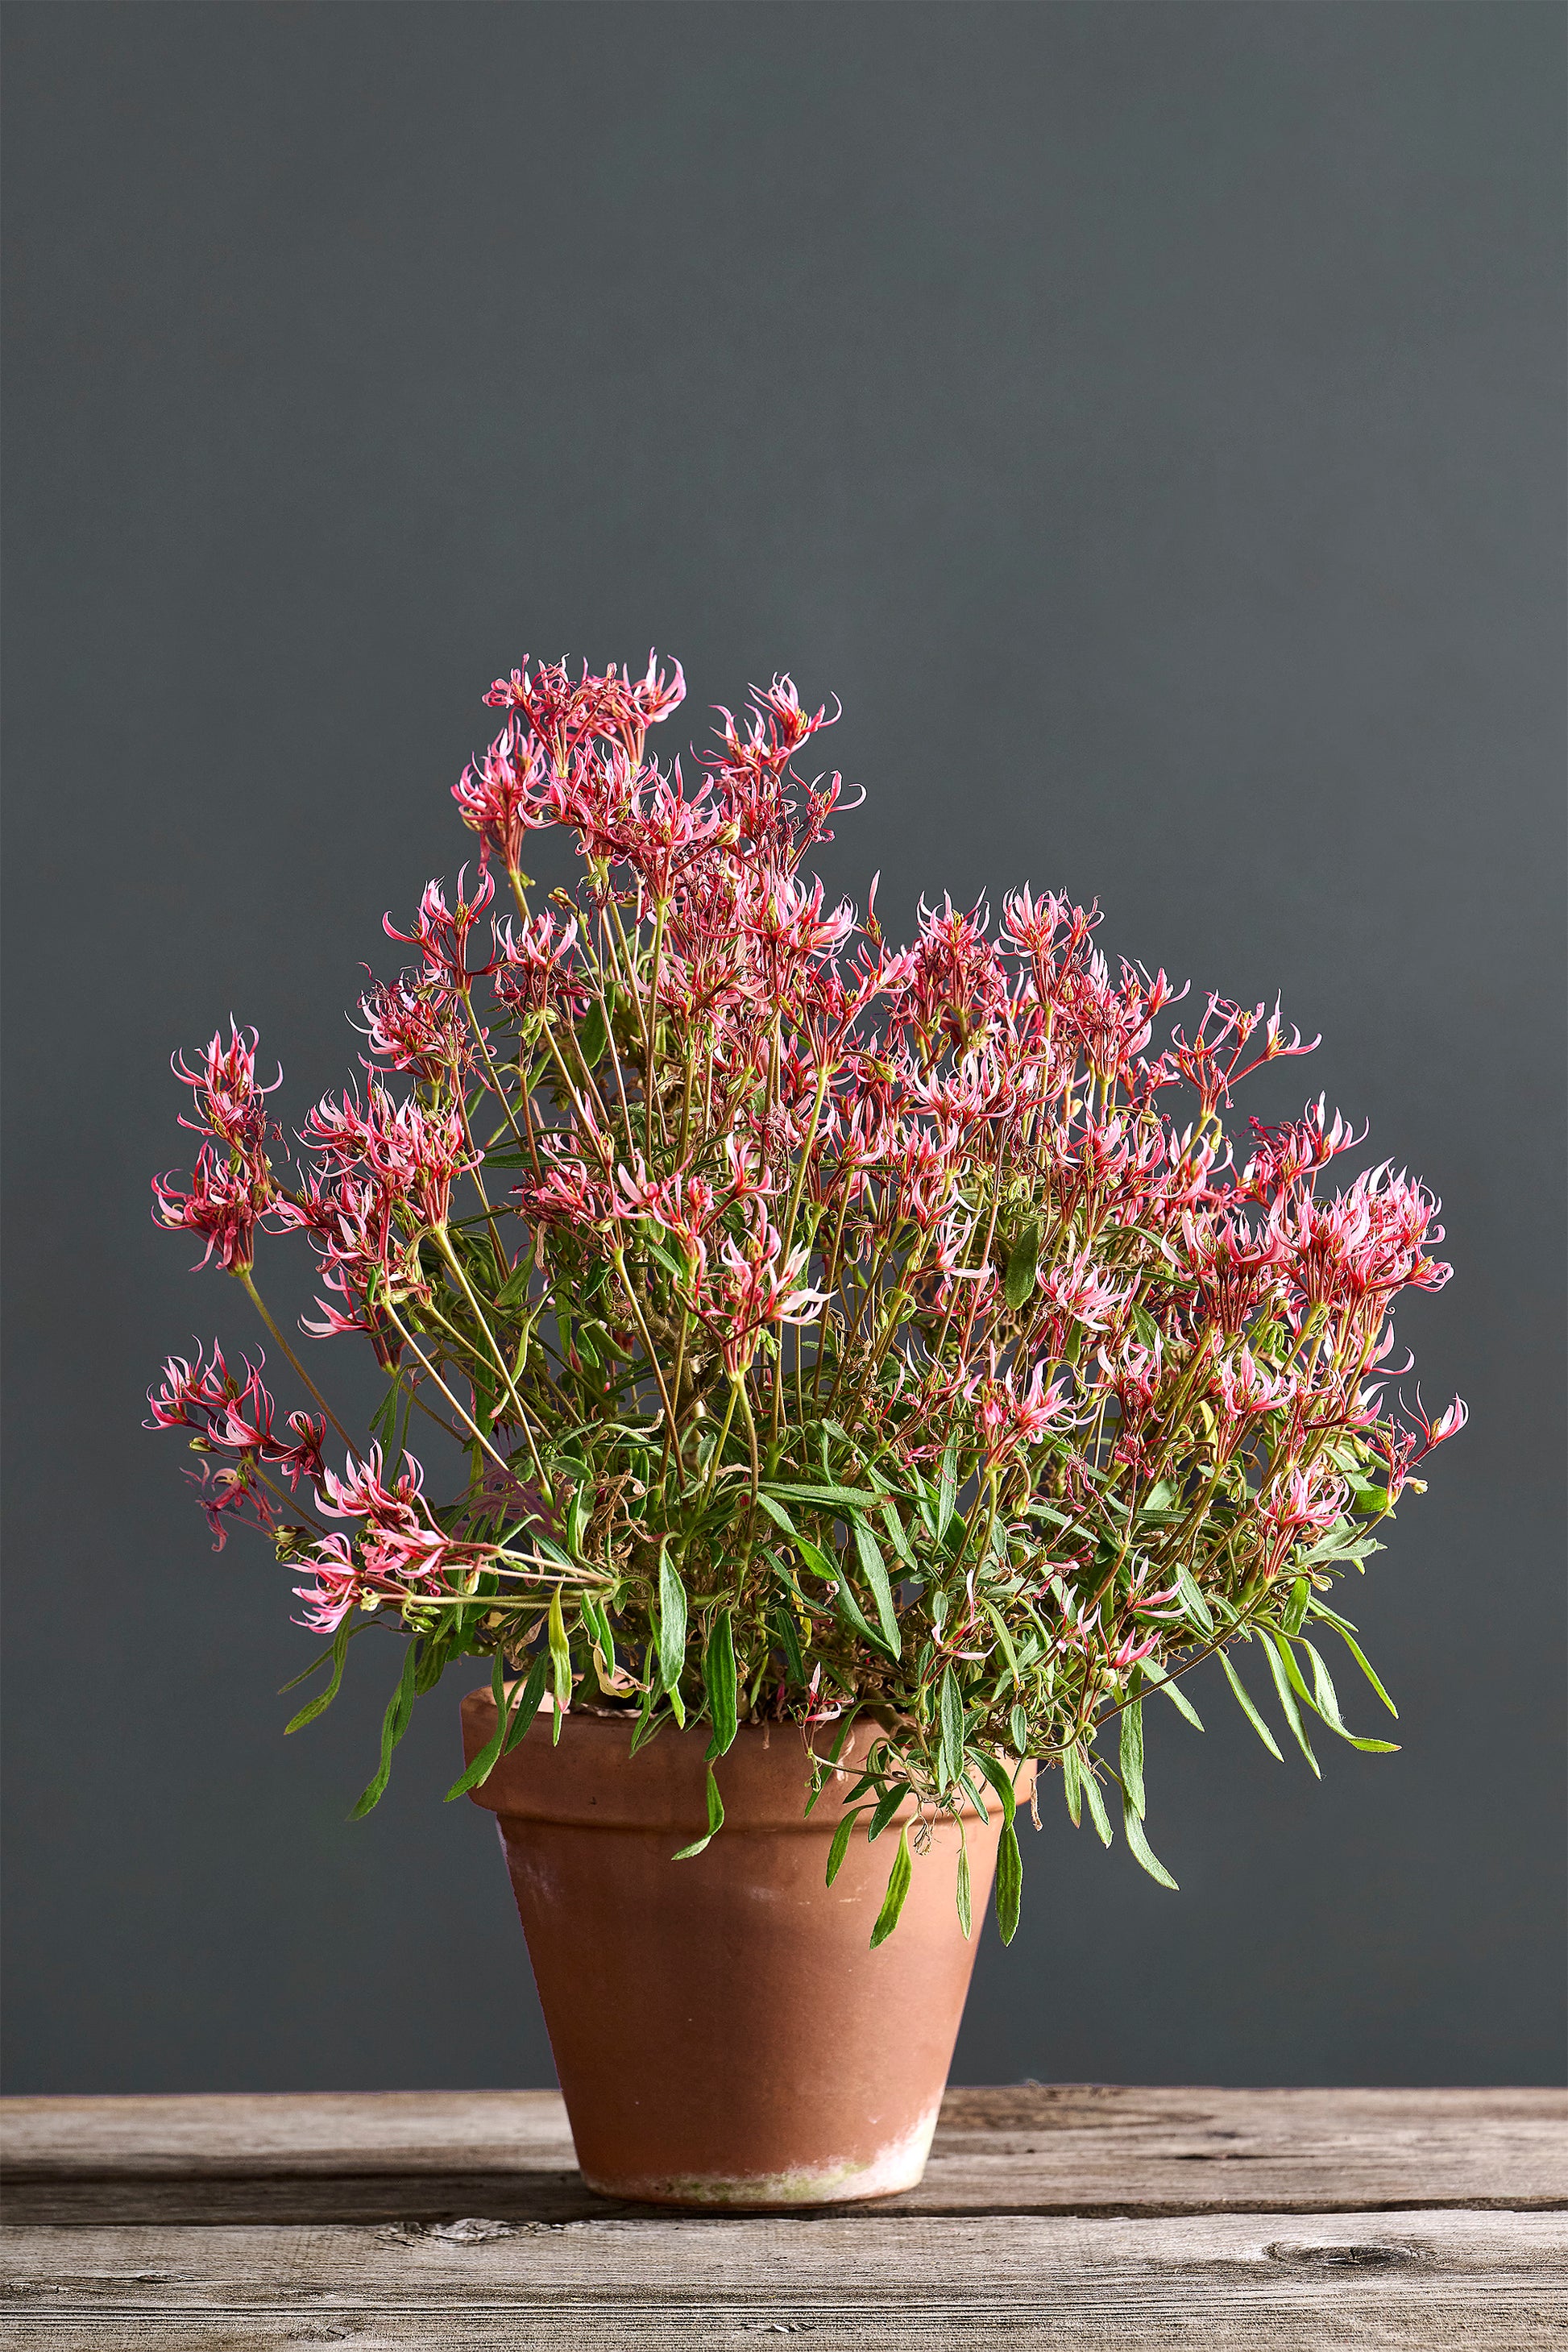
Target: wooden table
{"points": [[1074, 2216]]}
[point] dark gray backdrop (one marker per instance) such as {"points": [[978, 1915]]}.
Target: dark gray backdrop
{"points": [[1148, 420]]}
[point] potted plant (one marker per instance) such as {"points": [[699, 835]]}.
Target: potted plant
{"points": [[860, 1377]]}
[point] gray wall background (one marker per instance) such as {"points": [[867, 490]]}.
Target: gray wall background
{"points": [[1148, 420]]}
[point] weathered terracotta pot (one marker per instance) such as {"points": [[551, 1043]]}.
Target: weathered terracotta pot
{"points": [[722, 2033]]}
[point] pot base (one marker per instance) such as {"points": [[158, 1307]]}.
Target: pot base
{"points": [[898, 2166]]}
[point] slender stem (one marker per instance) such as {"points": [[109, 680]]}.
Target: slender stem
{"points": [[260, 1306]]}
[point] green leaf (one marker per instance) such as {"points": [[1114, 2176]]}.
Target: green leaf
{"points": [[887, 1804], [840, 1846], [1328, 1705], [489, 1755], [560, 1658], [394, 1723], [776, 1511], [1003, 1635], [1353, 1646], [1244, 1703], [1022, 1264], [593, 1036], [1287, 1697], [898, 1887], [1192, 1600], [715, 1820], [950, 1716], [1001, 1780], [873, 1568], [897, 1535], [671, 1619], [1144, 1852], [963, 1891], [324, 1698], [1072, 1790], [947, 1486], [1095, 1801], [1018, 1727], [515, 1289], [1177, 1697], [851, 1498], [529, 1705], [787, 1634], [1132, 1755], [719, 1681], [826, 1566], [1009, 1883]]}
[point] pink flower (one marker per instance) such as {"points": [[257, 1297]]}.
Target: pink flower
{"points": [[233, 1101], [1007, 1420], [443, 932], [224, 1204], [755, 1287]]}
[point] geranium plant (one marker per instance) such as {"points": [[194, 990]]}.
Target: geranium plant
{"points": [[815, 1329]]}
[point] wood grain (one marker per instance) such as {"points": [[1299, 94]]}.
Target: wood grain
{"points": [[1066, 2149], [1088, 2216], [872, 2280]]}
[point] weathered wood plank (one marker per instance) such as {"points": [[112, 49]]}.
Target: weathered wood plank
{"points": [[1064, 2149], [878, 2281]]}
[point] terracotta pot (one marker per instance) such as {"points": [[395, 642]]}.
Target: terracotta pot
{"points": [[723, 2034]]}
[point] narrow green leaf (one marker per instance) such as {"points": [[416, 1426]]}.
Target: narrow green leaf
{"points": [[1297, 1681], [1022, 1264], [529, 1705], [874, 1568], [898, 1887], [897, 1535], [1095, 1801], [1003, 1635], [324, 1698], [1287, 1697], [560, 1658], [718, 1680], [1132, 1755], [515, 1289], [851, 1498], [715, 1820], [592, 1036], [1244, 1703], [827, 1564], [671, 1619], [1192, 1600], [840, 1846], [1142, 1851], [947, 1486], [489, 1755], [1176, 1696], [1019, 1725], [787, 1634], [775, 1511], [1353, 1646], [963, 1891], [1001, 1780], [950, 1718], [394, 1723], [887, 1804], [1072, 1790], [1009, 1883]]}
